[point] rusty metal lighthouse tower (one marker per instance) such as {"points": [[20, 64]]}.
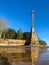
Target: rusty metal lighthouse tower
{"points": [[34, 38], [32, 13]]}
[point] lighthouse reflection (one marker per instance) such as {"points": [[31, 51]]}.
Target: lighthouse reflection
{"points": [[30, 56], [25, 55]]}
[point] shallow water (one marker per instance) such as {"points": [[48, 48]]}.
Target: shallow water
{"points": [[27, 55], [45, 55]]}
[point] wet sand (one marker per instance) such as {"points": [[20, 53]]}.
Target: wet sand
{"points": [[37, 63], [42, 62]]}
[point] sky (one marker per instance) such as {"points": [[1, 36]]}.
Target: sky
{"points": [[18, 15]]}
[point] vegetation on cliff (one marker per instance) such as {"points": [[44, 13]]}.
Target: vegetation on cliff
{"points": [[41, 42], [9, 34], [12, 34], [19, 34]]}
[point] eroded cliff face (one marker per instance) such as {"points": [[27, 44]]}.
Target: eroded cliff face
{"points": [[12, 41], [34, 38]]}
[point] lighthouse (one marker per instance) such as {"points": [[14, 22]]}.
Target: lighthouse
{"points": [[32, 13], [34, 38]]}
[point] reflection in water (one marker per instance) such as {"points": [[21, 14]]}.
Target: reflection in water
{"points": [[34, 54], [14, 62], [29, 57]]}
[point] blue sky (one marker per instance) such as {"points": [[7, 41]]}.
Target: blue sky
{"points": [[18, 14]]}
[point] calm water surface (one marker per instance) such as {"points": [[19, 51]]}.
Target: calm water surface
{"points": [[27, 55], [44, 55]]}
